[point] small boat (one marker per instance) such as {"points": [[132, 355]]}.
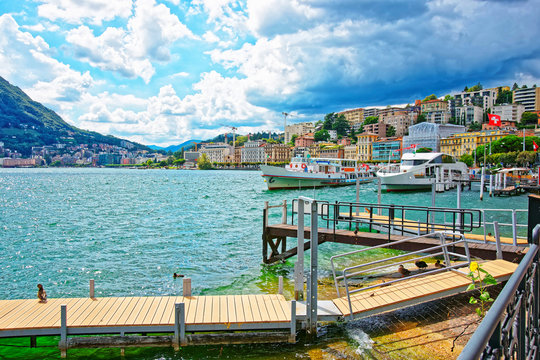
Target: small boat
{"points": [[417, 171], [308, 173]]}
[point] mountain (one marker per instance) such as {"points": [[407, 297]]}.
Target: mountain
{"points": [[25, 123], [173, 148]]}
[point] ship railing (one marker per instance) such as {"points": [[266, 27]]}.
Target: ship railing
{"points": [[395, 219], [452, 261], [510, 329]]}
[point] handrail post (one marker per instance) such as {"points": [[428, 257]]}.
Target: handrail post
{"points": [[514, 227], [497, 239]]}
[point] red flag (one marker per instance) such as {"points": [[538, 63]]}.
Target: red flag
{"points": [[494, 120], [535, 146]]}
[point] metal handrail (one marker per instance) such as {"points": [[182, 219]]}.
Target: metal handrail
{"points": [[486, 340], [515, 225], [444, 247]]}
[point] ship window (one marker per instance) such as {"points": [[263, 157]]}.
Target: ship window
{"points": [[412, 162]]}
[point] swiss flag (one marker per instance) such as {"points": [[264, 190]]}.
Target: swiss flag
{"points": [[535, 147], [494, 120]]}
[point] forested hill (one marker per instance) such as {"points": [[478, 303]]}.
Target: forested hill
{"points": [[25, 123]]}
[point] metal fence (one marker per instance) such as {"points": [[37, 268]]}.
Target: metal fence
{"points": [[510, 329]]}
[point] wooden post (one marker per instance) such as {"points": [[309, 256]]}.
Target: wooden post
{"points": [[63, 330], [186, 287], [91, 288], [497, 239], [292, 338], [280, 285], [284, 214], [482, 185], [179, 326], [490, 185], [33, 341]]}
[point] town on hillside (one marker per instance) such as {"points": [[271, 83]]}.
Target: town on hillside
{"points": [[457, 124]]}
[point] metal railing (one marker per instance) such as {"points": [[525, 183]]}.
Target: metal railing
{"points": [[515, 225], [390, 263], [396, 219], [510, 329]]}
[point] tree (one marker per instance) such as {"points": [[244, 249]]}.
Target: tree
{"points": [[476, 87], [322, 135], [371, 120], [524, 86], [390, 131], [421, 118], [467, 159], [328, 123], [179, 154], [341, 125], [430, 97], [504, 97], [179, 162], [525, 158], [529, 118], [204, 163], [475, 126], [448, 97], [515, 87], [465, 89], [424, 150], [293, 139]]}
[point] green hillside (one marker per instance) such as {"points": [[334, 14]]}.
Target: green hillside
{"points": [[25, 123]]}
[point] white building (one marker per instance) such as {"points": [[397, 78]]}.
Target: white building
{"points": [[253, 151], [530, 97], [467, 114], [509, 112], [333, 134], [484, 98], [428, 135], [298, 129], [217, 152]]}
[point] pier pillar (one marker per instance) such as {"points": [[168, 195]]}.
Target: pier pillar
{"points": [[179, 326], [299, 273], [482, 185], [497, 239], [292, 337], [379, 210], [62, 344], [280, 285], [313, 273], [186, 287], [33, 341], [91, 288], [284, 213], [490, 185]]}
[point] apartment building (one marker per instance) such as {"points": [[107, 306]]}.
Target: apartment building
{"points": [[353, 116], [378, 129], [304, 140], [509, 112], [217, 152], [467, 142], [399, 118], [253, 152], [484, 98], [298, 129], [371, 112], [465, 115], [364, 145], [327, 150], [277, 152], [436, 111], [350, 152], [387, 149], [529, 97]]}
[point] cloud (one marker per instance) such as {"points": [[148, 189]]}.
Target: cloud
{"points": [[150, 33], [77, 12], [315, 55], [44, 78]]}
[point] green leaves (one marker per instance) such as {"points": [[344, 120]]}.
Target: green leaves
{"points": [[480, 283]]}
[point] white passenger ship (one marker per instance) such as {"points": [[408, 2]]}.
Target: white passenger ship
{"points": [[316, 172], [418, 172]]}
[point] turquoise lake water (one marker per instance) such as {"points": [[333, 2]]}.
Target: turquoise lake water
{"points": [[130, 230]]}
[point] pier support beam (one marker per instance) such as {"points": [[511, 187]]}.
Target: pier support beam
{"points": [[33, 341], [179, 326], [292, 338], [313, 276], [299, 266], [63, 331]]}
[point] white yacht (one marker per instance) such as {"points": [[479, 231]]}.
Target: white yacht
{"points": [[417, 171], [306, 172]]}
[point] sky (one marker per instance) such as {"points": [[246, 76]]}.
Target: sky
{"points": [[166, 71]]}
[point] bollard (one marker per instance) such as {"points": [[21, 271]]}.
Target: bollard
{"points": [[186, 287], [482, 185], [91, 288]]}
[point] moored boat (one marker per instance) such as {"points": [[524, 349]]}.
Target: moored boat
{"points": [[417, 171], [306, 172]]}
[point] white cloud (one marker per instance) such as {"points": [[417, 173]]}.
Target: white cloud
{"points": [[77, 11], [44, 78], [180, 74], [150, 33]]}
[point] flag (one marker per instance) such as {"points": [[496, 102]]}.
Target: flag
{"points": [[535, 146], [494, 120]]}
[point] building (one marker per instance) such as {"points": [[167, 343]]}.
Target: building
{"points": [[277, 152], [467, 114], [467, 142], [529, 97], [364, 145], [304, 140], [217, 152], [108, 159], [344, 141], [350, 152], [399, 118], [353, 116], [428, 135], [253, 152], [298, 129], [333, 134], [9, 162], [509, 126], [484, 98], [327, 150], [378, 129], [509, 112], [436, 111], [370, 112], [386, 149], [301, 151]]}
